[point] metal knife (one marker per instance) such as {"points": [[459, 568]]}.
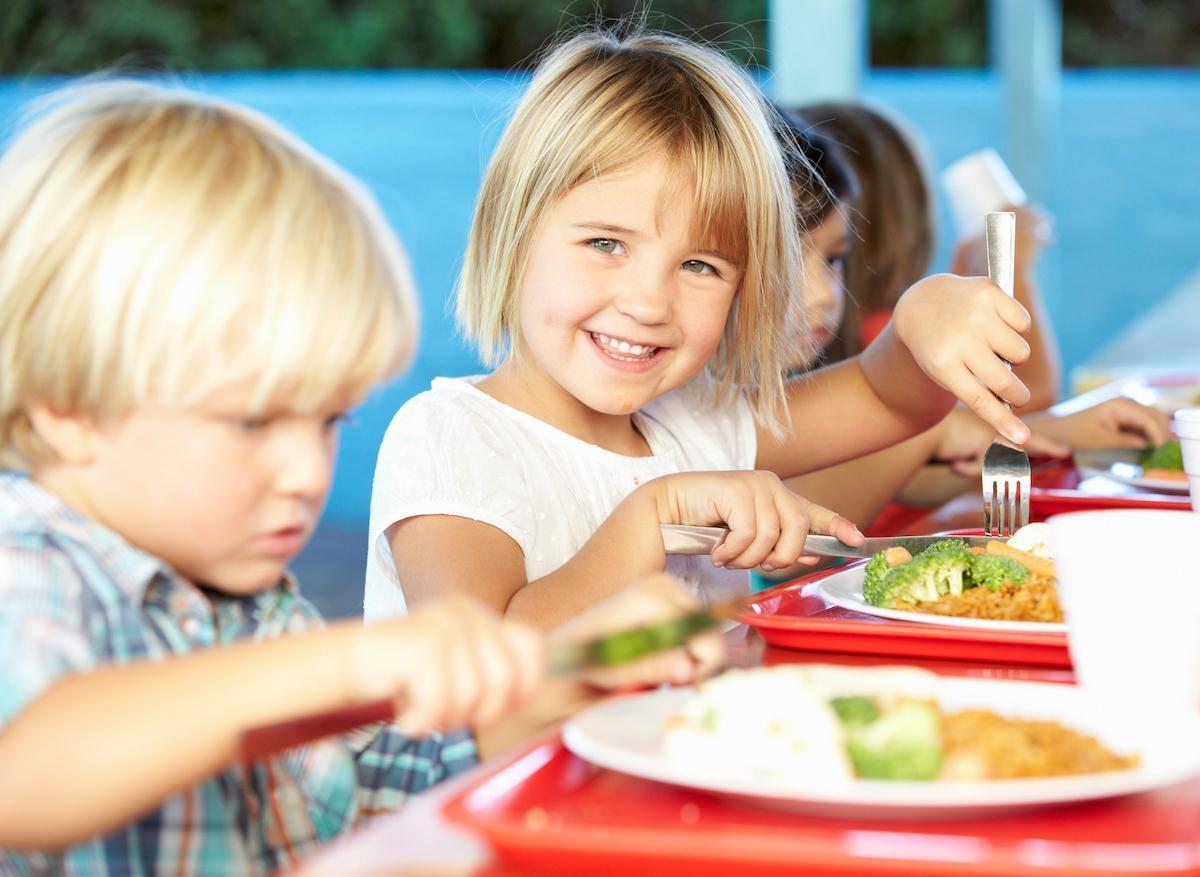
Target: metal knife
{"points": [[684, 539]]}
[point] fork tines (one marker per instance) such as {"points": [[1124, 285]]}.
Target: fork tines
{"points": [[1006, 478]]}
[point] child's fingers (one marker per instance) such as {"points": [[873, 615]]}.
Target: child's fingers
{"points": [[793, 530], [707, 651], [1150, 423], [1044, 446], [1013, 312], [422, 706], [496, 670], [998, 378], [1008, 344], [986, 406], [740, 518], [767, 530], [829, 522]]}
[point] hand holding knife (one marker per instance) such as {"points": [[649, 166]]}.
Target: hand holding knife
{"points": [[609, 650]]}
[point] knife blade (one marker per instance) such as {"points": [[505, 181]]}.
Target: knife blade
{"points": [[685, 539]]}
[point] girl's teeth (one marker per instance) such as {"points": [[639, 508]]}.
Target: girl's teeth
{"points": [[616, 346]]}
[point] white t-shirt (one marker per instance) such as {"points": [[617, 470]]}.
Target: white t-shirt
{"points": [[454, 450]]}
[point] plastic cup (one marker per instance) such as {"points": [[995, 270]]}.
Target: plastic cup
{"points": [[978, 184], [1130, 589], [1187, 427]]}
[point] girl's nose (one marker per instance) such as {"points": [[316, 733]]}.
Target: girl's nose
{"points": [[646, 302]]}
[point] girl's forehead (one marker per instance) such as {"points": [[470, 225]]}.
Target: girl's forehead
{"points": [[652, 194]]}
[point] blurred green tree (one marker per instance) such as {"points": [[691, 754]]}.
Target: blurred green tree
{"points": [[73, 36]]}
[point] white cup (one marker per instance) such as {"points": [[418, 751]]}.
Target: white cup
{"points": [[1187, 427], [978, 184], [1130, 589]]}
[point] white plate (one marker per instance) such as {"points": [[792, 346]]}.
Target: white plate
{"points": [[845, 589], [1123, 466], [625, 734]]}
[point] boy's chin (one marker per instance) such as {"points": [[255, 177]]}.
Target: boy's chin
{"points": [[245, 581]]}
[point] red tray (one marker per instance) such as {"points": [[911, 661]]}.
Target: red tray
{"points": [[1059, 487], [544, 811], [796, 616]]}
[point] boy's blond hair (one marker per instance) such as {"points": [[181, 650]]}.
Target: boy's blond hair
{"points": [[156, 245], [599, 103]]}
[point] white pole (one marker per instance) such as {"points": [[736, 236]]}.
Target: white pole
{"points": [[818, 49], [1025, 39]]}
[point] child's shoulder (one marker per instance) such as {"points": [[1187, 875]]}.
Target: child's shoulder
{"points": [[454, 416]]}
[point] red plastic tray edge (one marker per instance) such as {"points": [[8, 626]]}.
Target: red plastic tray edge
{"points": [[898, 638], [557, 852]]}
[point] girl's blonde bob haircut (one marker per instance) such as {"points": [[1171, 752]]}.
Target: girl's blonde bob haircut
{"points": [[599, 103], [156, 245]]}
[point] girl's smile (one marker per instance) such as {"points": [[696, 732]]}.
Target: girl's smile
{"points": [[618, 304]]}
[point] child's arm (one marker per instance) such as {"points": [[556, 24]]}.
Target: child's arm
{"points": [[98, 749], [949, 336], [768, 524]]}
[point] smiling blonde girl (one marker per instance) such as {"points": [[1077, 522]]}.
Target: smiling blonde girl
{"points": [[629, 272]]}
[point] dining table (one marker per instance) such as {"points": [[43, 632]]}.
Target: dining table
{"points": [[539, 809]]}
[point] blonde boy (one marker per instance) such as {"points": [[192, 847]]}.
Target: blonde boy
{"points": [[189, 300]]}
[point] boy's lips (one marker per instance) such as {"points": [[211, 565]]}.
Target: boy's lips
{"points": [[284, 542]]}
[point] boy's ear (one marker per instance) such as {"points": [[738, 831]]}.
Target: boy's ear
{"points": [[72, 437]]}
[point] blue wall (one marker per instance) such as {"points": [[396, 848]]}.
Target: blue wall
{"points": [[1124, 187]]}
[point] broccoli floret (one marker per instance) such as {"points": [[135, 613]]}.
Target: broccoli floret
{"points": [[1165, 456], [993, 570], [876, 570], [922, 580], [905, 743], [853, 711], [950, 547]]}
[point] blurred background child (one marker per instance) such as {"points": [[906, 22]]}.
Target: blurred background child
{"points": [[190, 299]]}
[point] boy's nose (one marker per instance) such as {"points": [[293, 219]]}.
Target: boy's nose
{"points": [[306, 465]]}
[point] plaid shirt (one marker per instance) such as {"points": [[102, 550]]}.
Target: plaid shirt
{"points": [[74, 596]]}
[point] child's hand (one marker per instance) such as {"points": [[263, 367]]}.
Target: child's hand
{"points": [[450, 664], [767, 522], [963, 439], [650, 600], [962, 331], [1115, 423]]}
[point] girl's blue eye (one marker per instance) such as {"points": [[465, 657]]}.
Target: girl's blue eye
{"points": [[837, 261], [698, 267], [604, 245]]}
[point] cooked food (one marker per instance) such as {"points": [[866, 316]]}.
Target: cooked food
{"points": [[1165, 456], [1164, 462], [1002, 583], [808, 722]]}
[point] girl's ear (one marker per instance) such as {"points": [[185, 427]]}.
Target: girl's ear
{"points": [[72, 437]]}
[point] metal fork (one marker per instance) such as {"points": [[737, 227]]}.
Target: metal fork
{"points": [[1005, 468]]}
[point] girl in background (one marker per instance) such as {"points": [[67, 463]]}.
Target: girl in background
{"points": [[629, 270]]}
